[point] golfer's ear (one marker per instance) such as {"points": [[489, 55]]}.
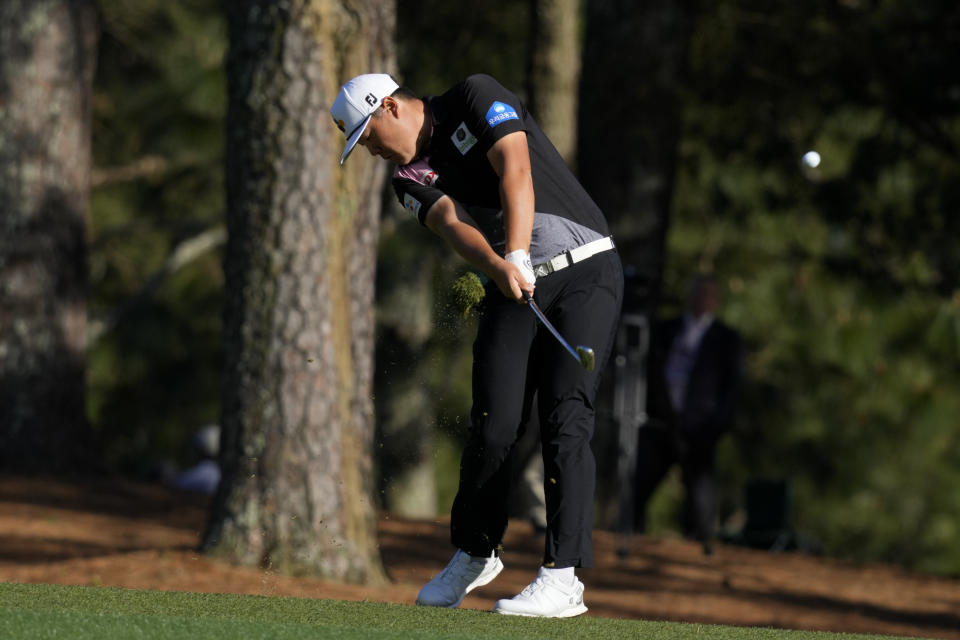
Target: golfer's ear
{"points": [[391, 105]]}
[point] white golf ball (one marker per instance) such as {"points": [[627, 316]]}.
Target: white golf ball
{"points": [[811, 159]]}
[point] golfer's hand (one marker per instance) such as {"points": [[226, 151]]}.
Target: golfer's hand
{"points": [[513, 280]]}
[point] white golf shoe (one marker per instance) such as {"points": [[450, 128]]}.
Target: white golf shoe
{"points": [[545, 597], [462, 575]]}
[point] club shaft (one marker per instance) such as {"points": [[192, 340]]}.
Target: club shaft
{"points": [[553, 330]]}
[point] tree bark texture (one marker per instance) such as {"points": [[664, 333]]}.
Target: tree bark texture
{"points": [[47, 60], [297, 490], [554, 73], [630, 126]]}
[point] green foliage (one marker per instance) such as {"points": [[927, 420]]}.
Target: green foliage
{"points": [[842, 277], [159, 100]]}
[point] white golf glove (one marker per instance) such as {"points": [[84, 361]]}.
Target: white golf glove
{"points": [[522, 259]]}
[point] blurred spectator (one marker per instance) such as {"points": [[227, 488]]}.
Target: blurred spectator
{"points": [[203, 477], [695, 366]]}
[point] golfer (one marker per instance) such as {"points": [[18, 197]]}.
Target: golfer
{"points": [[475, 168]]}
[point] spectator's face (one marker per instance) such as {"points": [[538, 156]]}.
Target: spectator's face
{"points": [[703, 298]]}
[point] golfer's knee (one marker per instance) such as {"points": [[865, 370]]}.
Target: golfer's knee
{"points": [[572, 420]]}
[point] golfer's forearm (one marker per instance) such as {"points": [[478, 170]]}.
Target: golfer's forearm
{"points": [[516, 195], [510, 158], [471, 245], [456, 227]]}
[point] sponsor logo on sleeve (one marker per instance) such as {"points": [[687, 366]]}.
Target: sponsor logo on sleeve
{"points": [[462, 139], [500, 112], [411, 204]]}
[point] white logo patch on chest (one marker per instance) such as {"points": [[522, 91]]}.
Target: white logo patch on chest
{"points": [[462, 139]]}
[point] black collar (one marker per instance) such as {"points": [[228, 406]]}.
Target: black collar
{"points": [[437, 116]]}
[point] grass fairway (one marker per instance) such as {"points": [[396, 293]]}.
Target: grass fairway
{"points": [[29, 611]]}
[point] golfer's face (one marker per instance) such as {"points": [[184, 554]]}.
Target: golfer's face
{"points": [[385, 137]]}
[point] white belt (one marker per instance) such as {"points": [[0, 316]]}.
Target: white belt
{"points": [[573, 256]]}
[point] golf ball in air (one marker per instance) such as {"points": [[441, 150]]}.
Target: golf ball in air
{"points": [[811, 159]]}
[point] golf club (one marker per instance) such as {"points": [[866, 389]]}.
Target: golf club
{"points": [[584, 355]]}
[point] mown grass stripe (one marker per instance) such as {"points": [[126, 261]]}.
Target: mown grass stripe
{"points": [[55, 611]]}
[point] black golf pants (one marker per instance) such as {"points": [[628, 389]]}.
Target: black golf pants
{"points": [[515, 356]]}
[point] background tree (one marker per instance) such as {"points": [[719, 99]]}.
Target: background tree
{"points": [[297, 489], [47, 61], [553, 76], [630, 127], [635, 54]]}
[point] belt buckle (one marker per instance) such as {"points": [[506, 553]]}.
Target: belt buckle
{"points": [[561, 261]]}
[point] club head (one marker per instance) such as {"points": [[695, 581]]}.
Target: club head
{"points": [[587, 359]]}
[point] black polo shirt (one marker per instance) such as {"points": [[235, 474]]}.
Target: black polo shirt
{"points": [[467, 120]]}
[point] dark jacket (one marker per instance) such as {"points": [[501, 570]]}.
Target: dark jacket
{"points": [[711, 389]]}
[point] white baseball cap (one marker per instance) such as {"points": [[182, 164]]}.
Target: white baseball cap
{"points": [[357, 100]]}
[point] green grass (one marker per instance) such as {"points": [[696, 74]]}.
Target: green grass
{"points": [[30, 611]]}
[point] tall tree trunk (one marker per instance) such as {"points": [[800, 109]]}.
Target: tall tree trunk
{"points": [[554, 72], [47, 58], [297, 484], [630, 125]]}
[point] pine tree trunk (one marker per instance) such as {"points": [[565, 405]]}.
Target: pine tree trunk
{"points": [[47, 58], [297, 417], [554, 73], [630, 125]]}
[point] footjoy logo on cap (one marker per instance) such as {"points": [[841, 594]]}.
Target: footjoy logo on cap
{"points": [[500, 112]]}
